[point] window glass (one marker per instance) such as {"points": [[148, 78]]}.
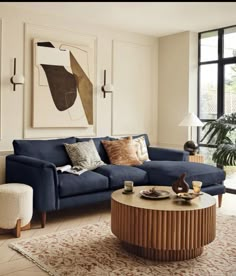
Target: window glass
{"points": [[209, 46], [202, 133], [207, 154], [208, 91], [230, 88], [230, 42], [217, 81]]}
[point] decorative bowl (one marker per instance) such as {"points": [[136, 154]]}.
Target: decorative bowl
{"points": [[154, 194], [187, 196]]}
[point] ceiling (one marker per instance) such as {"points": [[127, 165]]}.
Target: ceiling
{"points": [[151, 18]]}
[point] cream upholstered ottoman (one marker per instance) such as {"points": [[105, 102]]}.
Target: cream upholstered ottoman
{"points": [[16, 207]]}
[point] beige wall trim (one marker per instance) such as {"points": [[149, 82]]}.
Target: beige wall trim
{"points": [[130, 84], [1, 39], [5, 153], [166, 145]]}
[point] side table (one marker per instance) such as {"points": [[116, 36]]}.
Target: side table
{"points": [[198, 158]]}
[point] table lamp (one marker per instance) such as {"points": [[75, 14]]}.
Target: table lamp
{"points": [[191, 120]]}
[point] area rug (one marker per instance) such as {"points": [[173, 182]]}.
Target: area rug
{"points": [[92, 250]]}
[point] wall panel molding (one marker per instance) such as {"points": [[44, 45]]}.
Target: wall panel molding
{"points": [[135, 95], [1, 43], [167, 145]]}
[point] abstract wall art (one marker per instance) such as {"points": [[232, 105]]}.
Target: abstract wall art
{"points": [[62, 85]]}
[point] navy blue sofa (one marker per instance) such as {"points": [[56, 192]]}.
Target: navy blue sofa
{"points": [[34, 163]]}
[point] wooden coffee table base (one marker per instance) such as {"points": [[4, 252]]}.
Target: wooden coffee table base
{"points": [[163, 255], [163, 230]]}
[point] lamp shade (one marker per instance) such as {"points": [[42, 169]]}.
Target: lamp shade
{"points": [[191, 120]]}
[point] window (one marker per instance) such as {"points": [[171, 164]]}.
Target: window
{"points": [[216, 78]]}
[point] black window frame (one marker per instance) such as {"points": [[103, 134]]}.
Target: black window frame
{"points": [[221, 62]]}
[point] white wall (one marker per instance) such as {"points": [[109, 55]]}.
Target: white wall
{"points": [[14, 118], [177, 86], [155, 81], [192, 74], [138, 95]]}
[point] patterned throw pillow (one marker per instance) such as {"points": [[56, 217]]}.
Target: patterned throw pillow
{"points": [[141, 149], [84, 155], [121, 152]]}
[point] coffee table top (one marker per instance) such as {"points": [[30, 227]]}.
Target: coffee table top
{"points": [[168, 204]]}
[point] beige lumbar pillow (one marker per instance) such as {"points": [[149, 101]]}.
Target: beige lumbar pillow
{"points": [[121, 152], [141, 149], [84, 155]]}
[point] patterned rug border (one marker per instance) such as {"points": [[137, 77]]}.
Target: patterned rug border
{"points": [[32, 259], [69, 229], [28, 256], [16, 245]]}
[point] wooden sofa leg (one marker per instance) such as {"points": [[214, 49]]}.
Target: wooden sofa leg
{"points": [[220, 200], [43, 219]]}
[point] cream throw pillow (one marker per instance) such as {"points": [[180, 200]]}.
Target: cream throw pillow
{"points": [[141, 149], [121, 152], [84, 155]]}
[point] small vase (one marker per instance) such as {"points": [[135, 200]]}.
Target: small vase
{"points": [[180, 185]]}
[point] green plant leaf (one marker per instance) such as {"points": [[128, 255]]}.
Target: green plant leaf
{"points": [[219, 128], [225, 155]]}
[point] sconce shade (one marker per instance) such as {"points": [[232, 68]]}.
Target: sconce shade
{"points": [[16, 78], [108, 87], [191, 120]]}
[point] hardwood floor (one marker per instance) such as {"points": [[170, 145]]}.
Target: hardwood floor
{"points": [[14, 264]]}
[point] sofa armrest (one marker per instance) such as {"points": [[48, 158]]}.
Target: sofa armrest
{"points": [[39, 174], [159, 154]]}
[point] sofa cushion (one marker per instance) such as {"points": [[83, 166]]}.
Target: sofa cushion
{"points": [[141, 148], [134, 137], [99, 146], [117, 174], [166, 172], [216, 189], [145, 137], [84, 155], [87, 182], [50, 150], [122, 152]]}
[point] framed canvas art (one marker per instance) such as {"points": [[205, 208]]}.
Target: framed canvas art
{"points": [[62, 85]]}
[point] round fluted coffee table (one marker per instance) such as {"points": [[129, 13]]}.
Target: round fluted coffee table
{"points": [[163, 229]]}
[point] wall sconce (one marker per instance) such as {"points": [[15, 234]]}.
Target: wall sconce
{"points": [[17, 78], [106, 88]]}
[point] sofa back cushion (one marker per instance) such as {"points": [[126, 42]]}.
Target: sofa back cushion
{"points": [[99, 146], [122, 152], [50, 150], [145, 137], [84, 155], [141, 148], [134, 136], [141, 142]]}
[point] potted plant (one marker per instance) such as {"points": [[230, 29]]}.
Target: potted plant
{"points": [[221, 131]]}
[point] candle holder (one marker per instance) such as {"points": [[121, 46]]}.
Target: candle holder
{"points": [[128, 187]]}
